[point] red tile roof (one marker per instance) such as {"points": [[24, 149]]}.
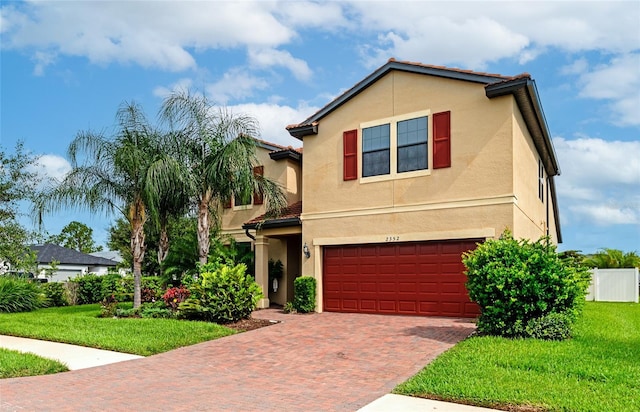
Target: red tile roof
{"points": [[290, 212]]}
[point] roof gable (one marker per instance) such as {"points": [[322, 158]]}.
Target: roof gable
{"points": [[309, 125]]}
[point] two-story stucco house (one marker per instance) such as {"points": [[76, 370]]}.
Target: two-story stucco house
{"points": [[401, 174]]}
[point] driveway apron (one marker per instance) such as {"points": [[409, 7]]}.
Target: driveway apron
{"points": [[312, 362]]}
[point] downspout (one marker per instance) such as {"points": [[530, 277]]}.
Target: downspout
{"points": [[250, 236], [547, 209]]}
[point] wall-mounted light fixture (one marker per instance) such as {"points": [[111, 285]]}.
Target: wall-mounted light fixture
{"points": [[306, 251]]}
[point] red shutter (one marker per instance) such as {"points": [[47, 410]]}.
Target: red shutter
{"points": [[258, 197], [441, 140], [350, 152]]}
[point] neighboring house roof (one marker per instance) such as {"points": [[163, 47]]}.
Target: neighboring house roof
{"points": [[65, 256], [289, 216], [114, 255]]}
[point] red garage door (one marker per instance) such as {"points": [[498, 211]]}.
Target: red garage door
{"points": [[416, 278]]}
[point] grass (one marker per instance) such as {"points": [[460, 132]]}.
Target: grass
{"points": [[14, 364], [80, 325], [597, 370]]}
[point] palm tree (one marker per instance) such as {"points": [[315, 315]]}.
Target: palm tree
{"points": [[613, 258], [115, 173], [218, 149], [173, 196]]}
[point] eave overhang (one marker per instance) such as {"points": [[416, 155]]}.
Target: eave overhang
{"points": [[273, 223]]}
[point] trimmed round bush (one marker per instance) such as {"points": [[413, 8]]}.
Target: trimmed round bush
{"points": [[19, 295], [224, 295], [517, 281]]}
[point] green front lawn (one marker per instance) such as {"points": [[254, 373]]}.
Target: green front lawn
{"points": [[14, 364], [597, 370], [80, 325]]}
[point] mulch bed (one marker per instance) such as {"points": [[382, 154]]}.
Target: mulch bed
{"points": [[245, 325]]}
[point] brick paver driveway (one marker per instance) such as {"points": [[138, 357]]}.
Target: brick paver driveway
{"points": [[315, 362]]}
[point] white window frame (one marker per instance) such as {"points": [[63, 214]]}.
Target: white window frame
{"points": [[393, 147]]}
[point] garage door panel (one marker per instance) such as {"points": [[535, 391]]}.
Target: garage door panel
{"points": [[417, 278], [407, 306], [407, 287], [389, 306]]}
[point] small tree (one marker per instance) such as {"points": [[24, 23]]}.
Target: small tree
{"points": [[613, 258], [77, 236], [518, 282]]}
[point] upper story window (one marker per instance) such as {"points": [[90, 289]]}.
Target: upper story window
{"points": [[376, 150], [398, 147], [242, 200], [412, 144]]}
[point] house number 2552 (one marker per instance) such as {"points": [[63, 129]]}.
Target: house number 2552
{"points": [[392, 238]]}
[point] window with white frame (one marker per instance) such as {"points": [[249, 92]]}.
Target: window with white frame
{"points": [[396, 145], [376, 150], [412, 144]]}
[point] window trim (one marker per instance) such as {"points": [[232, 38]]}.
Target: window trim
{"points": [[393, 146]]}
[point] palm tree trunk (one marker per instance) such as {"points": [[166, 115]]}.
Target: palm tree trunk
{"points": [[137, 250], [163, 246], [203, 229]]}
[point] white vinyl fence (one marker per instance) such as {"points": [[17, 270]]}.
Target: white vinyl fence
{"points": [[614, 285]]}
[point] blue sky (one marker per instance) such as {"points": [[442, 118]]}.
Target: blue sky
{"points": [[66, 66]]}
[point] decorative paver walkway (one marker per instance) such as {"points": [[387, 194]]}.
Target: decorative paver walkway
{"points": [[313, 362]]}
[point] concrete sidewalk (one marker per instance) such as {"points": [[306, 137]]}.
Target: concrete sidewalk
{"points": [[75, 357]]}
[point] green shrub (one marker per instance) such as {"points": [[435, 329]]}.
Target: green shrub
{"points": [[111, 284], [221, 294], [55, 293], [20, 295], [152, 284], [153, 312], [288, 308], [304, 292], [109, 307], [515, 282], [89, 288], [127, 312], [554, 326]]}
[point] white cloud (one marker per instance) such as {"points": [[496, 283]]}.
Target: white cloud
{"points": [[607, 214], [579, 66], [50, 166], [151, 34], [266, 58], [309, 14], [180, 85], [619, 83], [237, 83], [475, 33], [273, 119], [600, 181]]}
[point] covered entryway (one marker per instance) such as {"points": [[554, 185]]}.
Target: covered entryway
{"points": [[413, 278]]}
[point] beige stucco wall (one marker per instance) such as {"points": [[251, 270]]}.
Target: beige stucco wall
{"points": [[531, 212], [491, 185], [481, 146], [286, 172]]}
